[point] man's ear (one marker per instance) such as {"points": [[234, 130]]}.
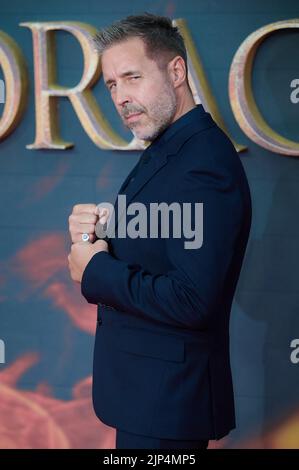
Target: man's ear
{"points": [[177, 71]]}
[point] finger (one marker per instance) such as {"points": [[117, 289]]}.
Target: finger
{"points": [[81, 228], [77, 238], [102, 211], [103, 219], [101, 244], [89, 208], [77, 229], [103, 215], [86, 228], [82, 218]]}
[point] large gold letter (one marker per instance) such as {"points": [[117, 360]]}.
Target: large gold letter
{"points": [[242, 100], [47, 91], [198, 81], [15, 75]]}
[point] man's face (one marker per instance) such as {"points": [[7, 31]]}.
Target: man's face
{"points": [[142, 93]]}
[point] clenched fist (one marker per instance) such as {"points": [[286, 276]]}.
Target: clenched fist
{"points": [[84, 218]]}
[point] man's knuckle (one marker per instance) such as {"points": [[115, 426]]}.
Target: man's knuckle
{"points": [[89, 208]]}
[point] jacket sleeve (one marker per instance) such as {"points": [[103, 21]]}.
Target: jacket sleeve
{"points": [[187, 295]]}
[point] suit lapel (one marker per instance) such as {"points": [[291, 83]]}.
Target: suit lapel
{"points": [[145, 173], [158, 160]]}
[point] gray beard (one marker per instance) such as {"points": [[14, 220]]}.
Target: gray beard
{"points": [[163, 114]]}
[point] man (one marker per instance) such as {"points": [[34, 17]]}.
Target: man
{"points": [[162, 372]]}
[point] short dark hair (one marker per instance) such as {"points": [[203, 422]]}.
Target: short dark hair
{"points": [[163, 41]]}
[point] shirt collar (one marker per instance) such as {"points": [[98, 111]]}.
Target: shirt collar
{"points": [[187, 119]]}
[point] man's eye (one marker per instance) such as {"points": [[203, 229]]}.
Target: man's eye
{"points": [[135, 77], [112, 86]]}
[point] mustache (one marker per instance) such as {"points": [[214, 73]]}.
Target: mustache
{"points": [[131, 109]]}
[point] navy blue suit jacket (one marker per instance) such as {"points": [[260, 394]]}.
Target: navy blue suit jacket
{"points": [[161, 357]]}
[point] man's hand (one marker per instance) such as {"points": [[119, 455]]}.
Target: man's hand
{"points": [[80, 255], [83, 219]]}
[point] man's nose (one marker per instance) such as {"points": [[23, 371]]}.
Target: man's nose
{"points": [[122, 96]]}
